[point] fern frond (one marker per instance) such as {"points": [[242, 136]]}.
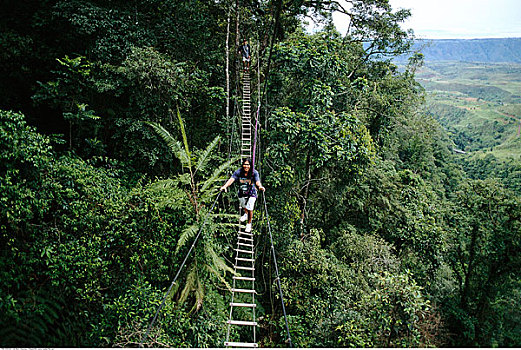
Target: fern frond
{"points": [[173, 144], [190, 285], [217, 173], [173, 292], [205, 157], [185, 139], [187, 233], [218, 275], [199, 295], [217, 262]]}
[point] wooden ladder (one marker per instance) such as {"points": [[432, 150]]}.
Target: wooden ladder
{"points": [[243, 290]]}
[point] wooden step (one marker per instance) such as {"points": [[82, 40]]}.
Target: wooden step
{"points": [[245, 244], [243, 305], [242, 323], [238, 290], [245, 259], [242, 278], [243, 251], [247, 239], [240, 345], [245, 268]]}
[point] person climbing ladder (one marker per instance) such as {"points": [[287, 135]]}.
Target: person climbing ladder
{"points": [[245, 50], [247, 178]]}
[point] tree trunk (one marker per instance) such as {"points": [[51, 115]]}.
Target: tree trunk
{"points": [[468, 275], [305, 195], [228, 71]]}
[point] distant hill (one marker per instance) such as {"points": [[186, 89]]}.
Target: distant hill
{"points": [[471, 50]]}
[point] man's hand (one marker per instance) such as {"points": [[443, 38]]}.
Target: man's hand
{"points": [[262, 188], [224, 188]]}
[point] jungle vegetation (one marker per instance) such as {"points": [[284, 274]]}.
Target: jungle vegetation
{"points": [[114, 139]]}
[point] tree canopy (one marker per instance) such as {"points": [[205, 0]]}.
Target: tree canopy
{"points": [[115, 138]]}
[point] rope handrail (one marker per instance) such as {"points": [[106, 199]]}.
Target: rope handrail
{"points": [[276, 269], [178, 272]]}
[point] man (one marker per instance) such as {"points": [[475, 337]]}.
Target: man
{"points": [[247, 192], [245, 50]]}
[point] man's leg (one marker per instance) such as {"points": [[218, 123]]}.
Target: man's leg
{"points": [[249, 206]]}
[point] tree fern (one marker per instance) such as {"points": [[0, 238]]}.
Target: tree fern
{"points": [[199, 191]]}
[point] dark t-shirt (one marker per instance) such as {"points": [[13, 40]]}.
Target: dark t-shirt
{"points": [[243, 181], [245, 50]]}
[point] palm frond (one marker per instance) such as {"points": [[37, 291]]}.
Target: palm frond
{"points": [[205, 157]]}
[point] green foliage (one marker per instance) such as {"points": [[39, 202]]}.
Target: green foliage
{"points": [[484, 256], [381, 238]]}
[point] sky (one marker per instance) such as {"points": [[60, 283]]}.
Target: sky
{"points": [[457, 19]]}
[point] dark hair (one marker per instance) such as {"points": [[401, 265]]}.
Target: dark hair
{"points": [[250, 172]]}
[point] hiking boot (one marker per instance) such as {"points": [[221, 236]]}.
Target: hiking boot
{"points": [[244, 218], [248, 228]]}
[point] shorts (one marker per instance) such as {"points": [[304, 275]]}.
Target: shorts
{"points": [[245, 59], [247, 205]]}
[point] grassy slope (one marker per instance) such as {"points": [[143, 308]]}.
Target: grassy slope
{"points": [[478, 103]]}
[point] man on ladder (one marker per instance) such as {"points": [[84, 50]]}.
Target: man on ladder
{"points": [[245, 50], [247, 178]]}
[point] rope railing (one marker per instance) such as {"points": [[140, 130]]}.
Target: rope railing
{"points": [[276, 269]]}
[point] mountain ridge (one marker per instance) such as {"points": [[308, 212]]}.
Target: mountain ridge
{"points": [[491, 50]]}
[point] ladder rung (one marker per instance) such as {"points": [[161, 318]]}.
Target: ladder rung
{"points": [[244, 268], [242, 278], [243, 305], [243, 251], [242, 323], [238, 290], [247, 239], [245, 244], [245, 259], [240, 345]]}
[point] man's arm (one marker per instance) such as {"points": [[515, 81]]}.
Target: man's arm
{"points": [[227, 184], [259, 185]]}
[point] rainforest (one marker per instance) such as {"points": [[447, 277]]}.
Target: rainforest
{"points": [[121, 120]]}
